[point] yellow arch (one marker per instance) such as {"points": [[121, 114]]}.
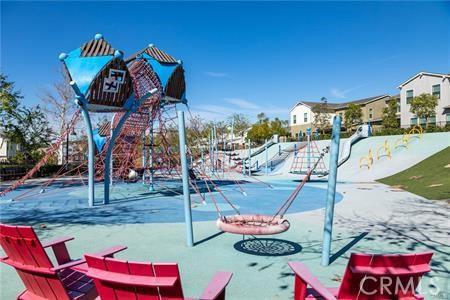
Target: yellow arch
{"points": [[368, 159], [404, 140], [387, 150], [416, 129]]}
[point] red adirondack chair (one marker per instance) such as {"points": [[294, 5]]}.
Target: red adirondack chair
{"points": [[119, 279], [41, 278], [368, 276]]}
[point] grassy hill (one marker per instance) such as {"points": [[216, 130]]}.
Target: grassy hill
{"points": [[430, 178]]}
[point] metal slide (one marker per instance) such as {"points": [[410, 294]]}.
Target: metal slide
{"points": [[362, 132]]}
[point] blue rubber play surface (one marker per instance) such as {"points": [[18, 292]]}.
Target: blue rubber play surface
{"points": [[133, 203]]}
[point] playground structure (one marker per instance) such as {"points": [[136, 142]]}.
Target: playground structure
{"points": [[141, 92], [308, 156], [308, 153]]}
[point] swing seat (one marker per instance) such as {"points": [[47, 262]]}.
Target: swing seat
{"points": [[253, 224]]}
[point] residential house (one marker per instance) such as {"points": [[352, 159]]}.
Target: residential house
{"points": [[428, 83], [302, 115], [7, 149]]}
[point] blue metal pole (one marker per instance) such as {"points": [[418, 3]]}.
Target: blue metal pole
{"points": [[91, 171], [144, 157], [331, 191], [308, 149], [267, 157], [249, 158], [150, 153], [243, 160], [81, 102], [184, 173]]}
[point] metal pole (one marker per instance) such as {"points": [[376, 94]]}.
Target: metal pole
{"points": [[111, 164], [184, 173], [331, 191], [243, 160], [232, 135], [267, 157], [81, 102], [249, 158], [91, 171], [144, 158], [211, 149], [150, 152], [67, 148], [308, 149], [216, 152]]}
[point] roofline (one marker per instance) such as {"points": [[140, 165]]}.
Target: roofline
{"points": [[298, 103], [367, 102], [421, 74], [345, 104]]}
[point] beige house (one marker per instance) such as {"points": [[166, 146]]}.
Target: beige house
{"points": [[428, 83], [302, 115]]}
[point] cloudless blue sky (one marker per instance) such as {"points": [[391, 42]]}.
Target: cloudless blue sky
{"points": [[240, 56]]}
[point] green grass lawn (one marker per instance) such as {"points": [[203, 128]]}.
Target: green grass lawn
{"points": [[430, 178]]}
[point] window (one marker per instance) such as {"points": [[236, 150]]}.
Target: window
{"points": [[294, 119], [447, 118], [398, 106], [305, 117], [413, 121], [409, 96], [432, 120], [370, 113], [436, 90], [422, 121]]}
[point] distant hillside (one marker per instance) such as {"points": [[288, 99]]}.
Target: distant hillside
{"points": [[430, 178]]}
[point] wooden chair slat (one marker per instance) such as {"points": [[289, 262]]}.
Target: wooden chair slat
{"points": [[144, 269], [104, 291], [118, 266], [169, 270]]}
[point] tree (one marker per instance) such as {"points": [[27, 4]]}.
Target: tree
{"points": [[25, 126], [389, 120], [9, 100], [424, 106], [353, 116], [259, 132], [321, 115], [240, 123], [279, 127], [59, 105], [262, 118]]}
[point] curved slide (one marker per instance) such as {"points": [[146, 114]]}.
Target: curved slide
{"points": [[362, 132]]}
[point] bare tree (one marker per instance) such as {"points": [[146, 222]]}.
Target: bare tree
{"points": [[59, 105]]}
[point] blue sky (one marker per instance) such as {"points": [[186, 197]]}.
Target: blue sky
{"points": [[241, 56]]}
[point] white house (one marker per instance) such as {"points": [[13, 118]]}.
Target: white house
{"points": [[301, 117], [7, 149], [429, 83]]}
